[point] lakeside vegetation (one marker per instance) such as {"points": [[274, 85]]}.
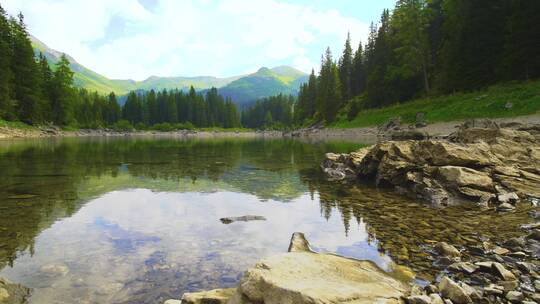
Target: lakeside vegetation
{"points": [[498, 101], [424, 49], [418, 58]]}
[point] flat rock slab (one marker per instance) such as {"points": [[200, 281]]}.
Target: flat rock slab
{"points": [[245, 218], [216, 296], [304, 277]]}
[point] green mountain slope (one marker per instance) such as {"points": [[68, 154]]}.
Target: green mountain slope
{"points": [[243, 89], [265, 82], [83, 77]]}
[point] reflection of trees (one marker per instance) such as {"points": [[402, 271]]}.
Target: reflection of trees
{"points": [[50, 173], [404, 228]]}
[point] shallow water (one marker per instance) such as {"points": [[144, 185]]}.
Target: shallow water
{"points": [[118, 220]]}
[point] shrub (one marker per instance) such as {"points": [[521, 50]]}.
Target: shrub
{"points": [[123, 125]]}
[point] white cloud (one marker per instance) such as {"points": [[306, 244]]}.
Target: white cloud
{"points": [[212, 37]]}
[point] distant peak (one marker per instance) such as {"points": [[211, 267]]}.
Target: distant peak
{"points": [[264, 70], [287, 70]]}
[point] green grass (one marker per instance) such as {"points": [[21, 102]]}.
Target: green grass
{"points": [[15, 125], [488, 103], [216, 129]]}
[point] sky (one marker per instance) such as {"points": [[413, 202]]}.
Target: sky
{"points": [[136, 39]]}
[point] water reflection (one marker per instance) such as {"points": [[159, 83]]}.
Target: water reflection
{"points": [[137, 220]]}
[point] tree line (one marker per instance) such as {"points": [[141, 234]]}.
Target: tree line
{"points": [[174, 106], [33, 91], [275, 112], [425, 48], [30, 91]]}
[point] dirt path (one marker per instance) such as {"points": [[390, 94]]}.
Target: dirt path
{"points": [[370, 134]]}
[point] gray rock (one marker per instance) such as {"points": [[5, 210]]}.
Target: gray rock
{"points": [[299, 243], [534, 235], [515, 296], [494, 290], [436, 299], [505, 274], [447, 250], [465, 267], [451, 290], [508, 285], [511, 198], [216, 296], [245, 218], [423, 299], [505, 207], [484, 266], [431, 289], [12, 293], [477, 164]]}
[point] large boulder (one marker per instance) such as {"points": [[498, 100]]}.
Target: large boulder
{"points": [[483, 165], [302, 276], [306, 277]]}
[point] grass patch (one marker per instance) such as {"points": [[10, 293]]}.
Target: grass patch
{"points": [[489, 103], [217, 129], [15, 125]]}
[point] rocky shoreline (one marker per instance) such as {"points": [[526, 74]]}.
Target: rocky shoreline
{"points": [[485, 163], [52, 132], [304, 276]]}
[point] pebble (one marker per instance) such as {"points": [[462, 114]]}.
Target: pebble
{"points": [[534, 235], [447, 250], [451, 290], [463, 267], [515, 296], [4, 295], [436, 298], [502, 272], [423, 299], [500, 250], [505, 207]]}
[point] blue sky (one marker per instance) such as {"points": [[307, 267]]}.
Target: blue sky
{"points": [[140, 38]]}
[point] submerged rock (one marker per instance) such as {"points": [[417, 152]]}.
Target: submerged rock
{"points": [[245, 218], [483, 165], [216, 296], [302, 276], [11, 293], [447, 250], [451, 290]]}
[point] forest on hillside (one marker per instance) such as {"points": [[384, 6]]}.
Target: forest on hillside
{"points": [[420, 48], [34, 92], [426, 48]]}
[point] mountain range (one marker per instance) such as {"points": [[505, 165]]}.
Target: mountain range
{"points": [[242, 89]]}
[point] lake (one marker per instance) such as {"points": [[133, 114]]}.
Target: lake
{"points": [[137, 220]]}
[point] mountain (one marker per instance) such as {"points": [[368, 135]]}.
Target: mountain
{"points": [[83, 77], [243, 89], [265, 82]]}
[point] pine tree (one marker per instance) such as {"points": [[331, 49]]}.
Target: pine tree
{"points": [[26, 74], [411, 18], [329, 97], [379, 53], [358, 78], [114, 112], [311, 100], [346, 69], [47, 87], [62, 98], [522, 42], [6, 75]]}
